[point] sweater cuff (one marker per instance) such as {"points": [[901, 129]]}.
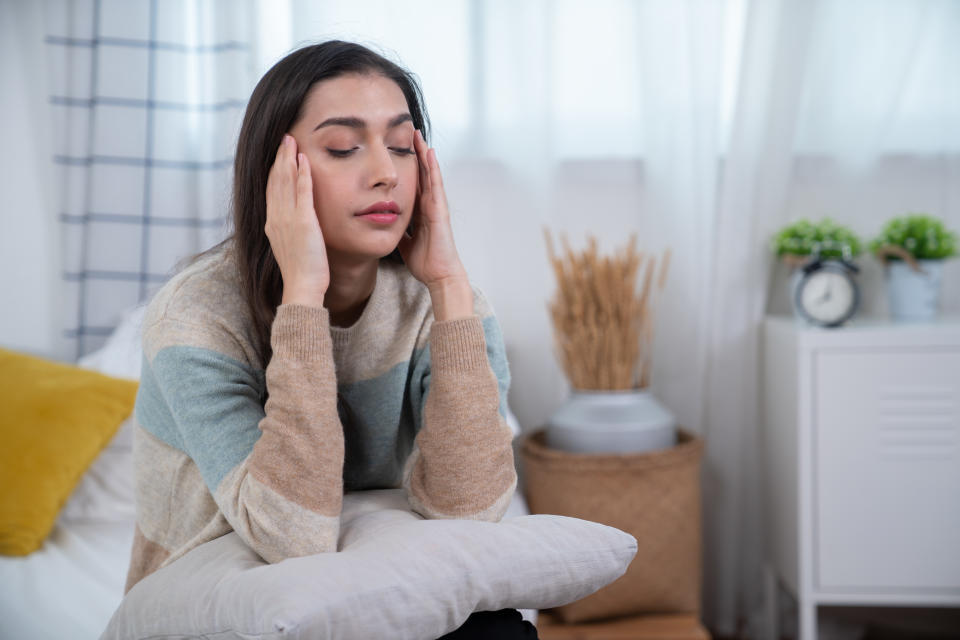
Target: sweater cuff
{"points": [[458, 345], [301, 332]]}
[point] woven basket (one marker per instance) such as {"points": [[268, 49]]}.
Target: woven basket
{"points": [[654, 496]]}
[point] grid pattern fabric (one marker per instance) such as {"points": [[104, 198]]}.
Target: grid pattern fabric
{"points": [[147, 97]]}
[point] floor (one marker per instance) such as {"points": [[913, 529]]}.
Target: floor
{"points": [[876, 623]]}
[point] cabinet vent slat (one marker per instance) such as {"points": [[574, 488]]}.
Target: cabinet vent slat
{"points": [[917, 421], [916, 391], [918, 409], [929, 453]]}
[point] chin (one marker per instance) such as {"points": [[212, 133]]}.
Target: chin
{"points": [[381, 251], [387, 248]]}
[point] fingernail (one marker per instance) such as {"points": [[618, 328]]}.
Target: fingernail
{"points": [[287, 138]]}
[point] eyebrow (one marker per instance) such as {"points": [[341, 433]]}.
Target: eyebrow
{"points": [[357, 123]]}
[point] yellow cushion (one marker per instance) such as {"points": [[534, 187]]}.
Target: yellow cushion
{"points": [[54, 420]]}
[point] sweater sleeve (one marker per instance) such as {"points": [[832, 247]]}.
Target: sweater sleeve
{"points": [[275, 471], [462, 462]]}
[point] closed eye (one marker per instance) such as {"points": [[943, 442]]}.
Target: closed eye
{"points": [[343, 153]]}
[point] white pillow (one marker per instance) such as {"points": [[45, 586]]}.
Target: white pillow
{"points": [[121, 355], [396, 575], [105, 491]]}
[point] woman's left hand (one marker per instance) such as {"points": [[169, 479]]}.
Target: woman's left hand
{"points": [[430, 253]]}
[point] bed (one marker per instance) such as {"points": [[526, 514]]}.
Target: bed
{"points": [[73, 584], [71, 587]]}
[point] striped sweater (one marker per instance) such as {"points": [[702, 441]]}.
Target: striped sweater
{"points": [[395, 400]]}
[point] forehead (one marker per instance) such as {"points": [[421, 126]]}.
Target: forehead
{"points": [[373, 98]]}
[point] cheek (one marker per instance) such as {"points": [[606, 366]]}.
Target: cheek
{"points": [[326, 205], [324, 188], [411, 175]]}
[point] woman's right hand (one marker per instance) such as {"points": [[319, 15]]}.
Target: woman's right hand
{"points": [[293, 229]]}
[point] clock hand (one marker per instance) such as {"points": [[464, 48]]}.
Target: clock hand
{"points": [[825, 296]]}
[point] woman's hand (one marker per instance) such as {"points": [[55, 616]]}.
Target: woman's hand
{"points": [[430, 253], [293, 229]]}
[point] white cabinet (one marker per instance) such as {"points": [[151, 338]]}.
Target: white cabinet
{"points": [[861, 453]]}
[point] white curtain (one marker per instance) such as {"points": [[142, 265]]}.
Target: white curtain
{"points": [[704, 125], [146, 98]]}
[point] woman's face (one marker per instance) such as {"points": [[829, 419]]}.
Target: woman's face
{"points": [[359, 162]]}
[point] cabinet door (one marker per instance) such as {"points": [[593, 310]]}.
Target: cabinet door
{"points": [[886, 469]]}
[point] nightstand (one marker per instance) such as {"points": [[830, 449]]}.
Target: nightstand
{"points": [[861, 455]]}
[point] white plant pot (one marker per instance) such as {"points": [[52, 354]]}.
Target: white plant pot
{"points": [[795, 276], [912, 295], [611, 422]]}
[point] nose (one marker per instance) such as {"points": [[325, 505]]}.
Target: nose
{"points": [[383, 170]]}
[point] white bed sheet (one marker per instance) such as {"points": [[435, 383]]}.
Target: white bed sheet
{"points": [[70, 587]]}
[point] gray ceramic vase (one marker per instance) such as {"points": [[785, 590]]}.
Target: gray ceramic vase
{"points": [[611, 422]]}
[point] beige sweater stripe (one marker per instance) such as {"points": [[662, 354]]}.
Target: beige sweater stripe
{"points": [[300, 453], [463, 460]]}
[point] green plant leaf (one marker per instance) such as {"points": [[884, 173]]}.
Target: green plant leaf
{"points": [[924, 236], [800, 237]]}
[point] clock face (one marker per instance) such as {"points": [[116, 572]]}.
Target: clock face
{"points": [[827, 296]]}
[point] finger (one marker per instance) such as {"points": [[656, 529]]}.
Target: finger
{"points": [[404, 246], [423, 161], [280, 179], [283, 148], [414, 219], [423, 174], [436, 180], [304, 184]]}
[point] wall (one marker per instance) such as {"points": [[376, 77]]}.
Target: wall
{"points": [[506, 259], [510, 262]]}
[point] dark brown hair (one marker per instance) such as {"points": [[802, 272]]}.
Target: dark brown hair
{"points": [[274, 107]]}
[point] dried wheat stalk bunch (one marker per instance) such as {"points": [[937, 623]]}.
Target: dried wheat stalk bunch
{"points": [[603, 327]]}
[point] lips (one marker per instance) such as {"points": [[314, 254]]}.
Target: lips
{"points": [[380, 217], [384, 207]]}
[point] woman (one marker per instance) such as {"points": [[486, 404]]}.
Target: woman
{"points": [[333, 343]]}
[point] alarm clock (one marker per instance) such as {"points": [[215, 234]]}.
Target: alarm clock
{"points": [[827, 293]]}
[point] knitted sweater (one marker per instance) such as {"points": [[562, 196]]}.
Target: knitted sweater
{"points": [[395, 400]]}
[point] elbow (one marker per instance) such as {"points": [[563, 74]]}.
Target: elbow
{"points": [[273, 551], [278, 528], [275, 541], [483, 508], [496, 511]]}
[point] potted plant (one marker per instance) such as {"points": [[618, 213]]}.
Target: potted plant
{"points": [[612, 454], [603, 330], [913, 248], [795, 243]]}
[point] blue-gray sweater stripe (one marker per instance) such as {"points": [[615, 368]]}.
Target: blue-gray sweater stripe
{"points": [[497, 355], [219, 408], [216, 417]]}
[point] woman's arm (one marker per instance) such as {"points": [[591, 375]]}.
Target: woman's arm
{"points": [[462, 462], [461, 465], [274, 471], [297, 464]]}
